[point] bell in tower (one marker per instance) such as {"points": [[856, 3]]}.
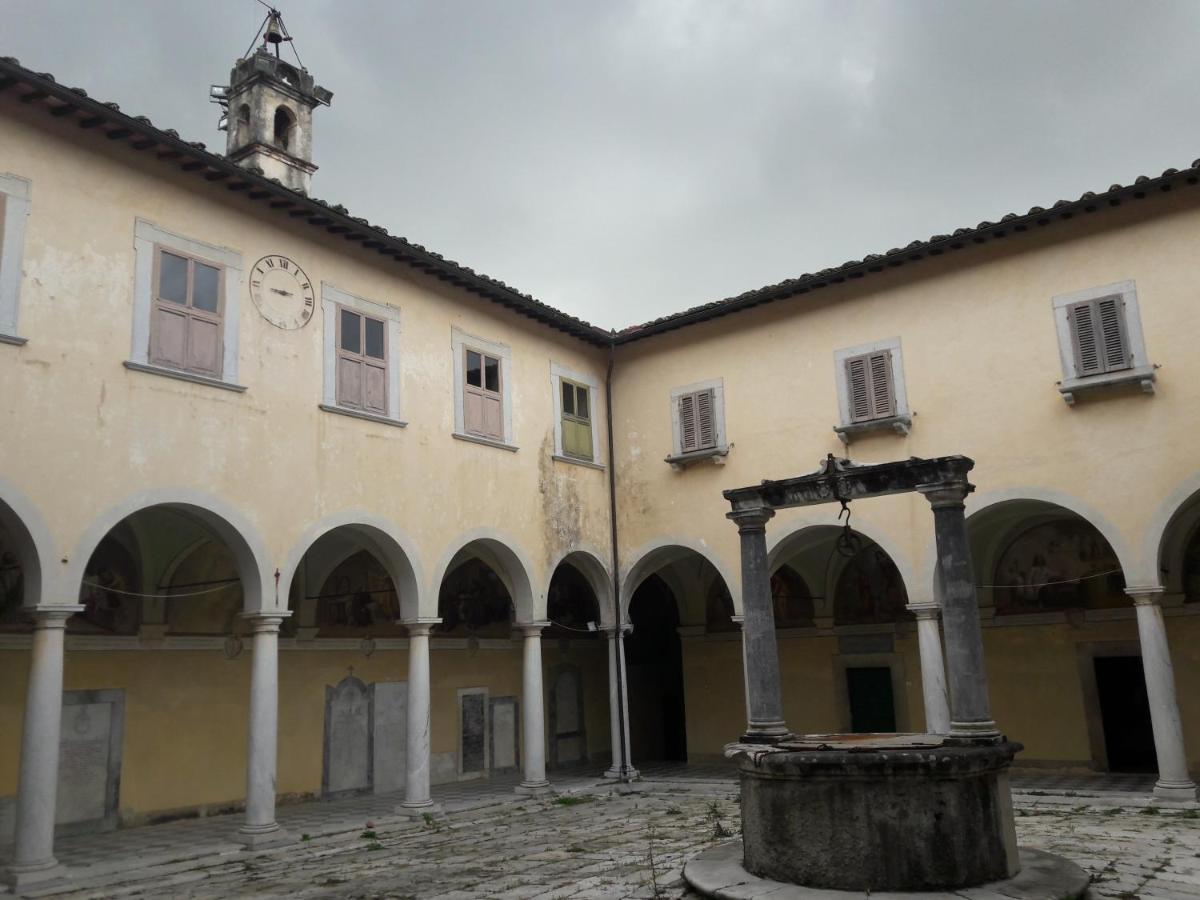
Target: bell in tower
{"points": [[270, 103]]}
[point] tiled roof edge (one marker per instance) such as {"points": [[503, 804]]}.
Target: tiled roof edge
{"points": [[193, 157], [1012, 223]]}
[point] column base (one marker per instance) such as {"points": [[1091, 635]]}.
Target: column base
{"points": [[534, 788], [29, 876], [1175, 791], [420, 809], [623, 773], [974, 733], [259, 837], [769, 734]]}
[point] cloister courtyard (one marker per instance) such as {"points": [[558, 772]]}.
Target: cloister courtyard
{"points": [[590, 839]]}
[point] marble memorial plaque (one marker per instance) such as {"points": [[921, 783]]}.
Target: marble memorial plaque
{"points": [[348, 751], [390, 705], [473, 726], [504, 733], [89, 759]]}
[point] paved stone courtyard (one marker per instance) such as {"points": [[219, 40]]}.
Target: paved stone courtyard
{"points": [[589, 841]]}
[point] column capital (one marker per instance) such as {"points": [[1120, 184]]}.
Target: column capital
{"points": [[420, 627], [264, 621], [946, 494], [531, 629], [739, 621], [53, 616], [925, 610], [1145, 595], [612, 630], [753, 518]]}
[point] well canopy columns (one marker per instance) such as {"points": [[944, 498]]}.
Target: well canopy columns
{"points": [[943, 480], [764, 702], [933, 667], [1174, 782]]}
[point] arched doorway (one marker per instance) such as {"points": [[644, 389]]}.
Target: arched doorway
{"points": [[840, 610], [654, 662], [1053, 589], [576, 670]]}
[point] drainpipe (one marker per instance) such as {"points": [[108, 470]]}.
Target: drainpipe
{"points": [[623, 763]]}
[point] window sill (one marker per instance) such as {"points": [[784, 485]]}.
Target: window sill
{"points": [[359, 414], [487, 442], [586, 463], [12, 339], [681, 461], [185, 376], [898, 424], [1141, 375]]}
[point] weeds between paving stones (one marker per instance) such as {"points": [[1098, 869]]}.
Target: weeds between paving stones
{"points": [[573, 800], [719, 829], [369, 835], [656, 891]]}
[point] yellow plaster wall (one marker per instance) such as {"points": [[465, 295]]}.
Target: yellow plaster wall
{"points": [[269, 454]]}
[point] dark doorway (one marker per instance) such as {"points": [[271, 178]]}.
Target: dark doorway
{"points": [[872, 707], [654, 662], [1125, 712]]}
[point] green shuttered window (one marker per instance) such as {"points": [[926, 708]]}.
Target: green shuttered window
{"points": [[576, 421]]}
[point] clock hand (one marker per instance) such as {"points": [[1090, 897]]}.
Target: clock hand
{"points": [[281, 292]]}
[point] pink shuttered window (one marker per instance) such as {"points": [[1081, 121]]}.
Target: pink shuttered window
{"points": [[361, 362], [697, 421], [482, 395], [1099, 336], [186, 330], [870, 386]]}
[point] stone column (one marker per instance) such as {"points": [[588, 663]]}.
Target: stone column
{"points": [[260, 828], [417, 801], [970, 716], [740, 621], [533, 715], [618, 706], [764, 712], [933, 668], [1174, 782], [33, 863]]}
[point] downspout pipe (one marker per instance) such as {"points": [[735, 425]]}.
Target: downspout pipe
{"points": [[623, 765]]}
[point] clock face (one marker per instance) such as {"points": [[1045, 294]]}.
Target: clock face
{"points": [[282, 292]]}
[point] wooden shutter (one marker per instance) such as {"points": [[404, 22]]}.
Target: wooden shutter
{"points": [[697, 421], [361, 375], [1099, 336], [483, 409], [182, 335], [870, 386], [576, 421]]}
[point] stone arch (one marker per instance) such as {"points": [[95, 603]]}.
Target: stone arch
{"points": [[253, 564], [997, 528], [1172, 528], [590, 565], [33, 546], [284, 127], [394, 550], [807, 533], [505, 558], [651, 557]]}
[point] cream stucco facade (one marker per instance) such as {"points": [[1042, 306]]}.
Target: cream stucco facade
{"points": [[258, 546]]}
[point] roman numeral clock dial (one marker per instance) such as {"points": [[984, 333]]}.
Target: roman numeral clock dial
{"points": [[282, 292]]}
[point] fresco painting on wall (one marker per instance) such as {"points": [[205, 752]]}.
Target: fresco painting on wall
{"points": [[474, 600], [792, 600], [1056, 566], [109, 582], [870, 590]]}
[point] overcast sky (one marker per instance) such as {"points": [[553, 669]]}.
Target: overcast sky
{"points": [[624, 160]]}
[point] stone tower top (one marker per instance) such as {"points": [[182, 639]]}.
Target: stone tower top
{"points": [[270, 102]]}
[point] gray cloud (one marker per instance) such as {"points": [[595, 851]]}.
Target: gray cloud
{"points": [[623, 160]]}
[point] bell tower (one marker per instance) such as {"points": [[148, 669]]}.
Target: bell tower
{"points": [[269, 105]]}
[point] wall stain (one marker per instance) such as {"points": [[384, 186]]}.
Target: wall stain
{"points": [[562, 520]]}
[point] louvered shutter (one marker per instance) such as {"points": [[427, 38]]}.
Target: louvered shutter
{"points": [[1099, 336], [871, 386], [706, 424], [687, 423]]}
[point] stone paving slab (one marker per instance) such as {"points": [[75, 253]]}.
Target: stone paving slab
{"points": [[596, 842]]}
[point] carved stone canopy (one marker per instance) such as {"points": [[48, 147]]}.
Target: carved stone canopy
{"points": [[840, 479]]}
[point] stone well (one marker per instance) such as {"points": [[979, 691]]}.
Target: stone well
{"points": [[895, 812]]}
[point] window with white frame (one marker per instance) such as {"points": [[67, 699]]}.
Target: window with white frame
{"points": [[482, 390], [15, 194], [870, 386], [362, 371], [185, 307], [576, 437], [698, 421], [1100, 339]]}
